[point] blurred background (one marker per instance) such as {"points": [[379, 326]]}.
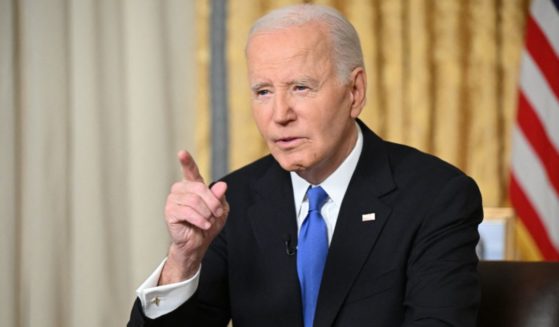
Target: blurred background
{"points": [[97, 96]]}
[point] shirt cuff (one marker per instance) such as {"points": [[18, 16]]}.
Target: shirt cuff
{"points": [[160, 300]]}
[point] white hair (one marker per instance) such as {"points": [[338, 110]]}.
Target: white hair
{"points": [[347, 53]]}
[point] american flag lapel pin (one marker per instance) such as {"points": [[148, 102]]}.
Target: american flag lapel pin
{"points": [[368, 217]]}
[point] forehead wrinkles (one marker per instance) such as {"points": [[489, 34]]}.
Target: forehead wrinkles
{"points": [[313, 33], [300, 48]]}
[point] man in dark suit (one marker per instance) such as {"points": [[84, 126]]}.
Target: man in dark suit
{"points": [[336, 227]]}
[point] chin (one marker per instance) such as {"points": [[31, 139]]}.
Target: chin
{"points": [[289, 164]]}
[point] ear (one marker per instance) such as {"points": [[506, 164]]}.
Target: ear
{"points": [[358, 85]]}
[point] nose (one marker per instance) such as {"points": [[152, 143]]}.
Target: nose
{"points": [[283, 109]]}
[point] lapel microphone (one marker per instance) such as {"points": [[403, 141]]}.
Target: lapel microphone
{"points": [[289, 250]]}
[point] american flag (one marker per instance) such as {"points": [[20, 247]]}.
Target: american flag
{"points": [[534, 182]]}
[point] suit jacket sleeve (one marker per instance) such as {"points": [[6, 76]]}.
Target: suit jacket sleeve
{"points": [[443, 285]]}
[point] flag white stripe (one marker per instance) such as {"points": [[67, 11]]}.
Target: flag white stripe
{"points": [[533, 181], [540, 95], [545, 13]]}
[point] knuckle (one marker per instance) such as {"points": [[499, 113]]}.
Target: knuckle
{"points": [[169, 209], [197, 202], [188, 213], [192, 216], [177, 187], [193, 199], [169, 219], [170, 199], [197, 187], [214, 205]]}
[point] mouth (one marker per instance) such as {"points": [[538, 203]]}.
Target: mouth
{"points": [[287, 143]]}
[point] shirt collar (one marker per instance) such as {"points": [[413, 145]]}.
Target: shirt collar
{"points": [[336, 184]]}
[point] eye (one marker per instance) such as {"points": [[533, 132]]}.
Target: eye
{"points": [[261, 93], [300, 88]]}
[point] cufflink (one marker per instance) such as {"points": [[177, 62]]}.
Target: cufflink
{"points": [[368, 217], [156, 301]]}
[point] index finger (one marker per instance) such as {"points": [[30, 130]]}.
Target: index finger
{"points": [[190, 170]]}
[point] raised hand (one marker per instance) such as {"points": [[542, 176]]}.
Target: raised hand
{"points": [[194, 214]]}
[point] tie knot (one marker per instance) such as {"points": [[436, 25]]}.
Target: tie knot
{"points": [[316, 196]]}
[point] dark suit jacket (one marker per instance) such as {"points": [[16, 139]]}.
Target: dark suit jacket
{"points": [[414, 265]]}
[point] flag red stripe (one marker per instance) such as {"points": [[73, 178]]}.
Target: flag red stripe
{"points": [[531, 220], [543, 54], [536, 135]]}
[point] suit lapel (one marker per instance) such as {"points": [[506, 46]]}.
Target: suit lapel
{"points": [[273, 220], [354, 238], [272, 215]]}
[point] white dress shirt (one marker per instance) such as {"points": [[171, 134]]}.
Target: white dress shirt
{"points": [[159, 300]]}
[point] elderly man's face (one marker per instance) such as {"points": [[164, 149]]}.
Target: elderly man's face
{"points": [[302, 109]]}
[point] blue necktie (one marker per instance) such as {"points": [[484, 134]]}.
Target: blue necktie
{"points": [[312, 249]]}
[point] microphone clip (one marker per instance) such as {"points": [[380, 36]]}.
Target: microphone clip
{"points": [[289, 250]]}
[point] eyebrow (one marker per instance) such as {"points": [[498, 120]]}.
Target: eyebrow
{"points": [[304, 80], [313, 82], [260, 85]]}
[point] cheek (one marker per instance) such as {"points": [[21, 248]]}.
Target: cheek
{"points": [[259, 119]]}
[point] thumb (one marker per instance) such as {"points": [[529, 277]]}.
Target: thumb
{"points": [[219, 189]]}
